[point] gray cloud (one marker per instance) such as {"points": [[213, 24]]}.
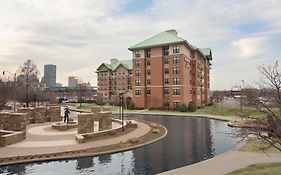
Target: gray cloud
{"points": [[79, 35]]}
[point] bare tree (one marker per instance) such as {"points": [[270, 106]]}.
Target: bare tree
{"points": [[268, 100], [5, 92], [28, 79]]}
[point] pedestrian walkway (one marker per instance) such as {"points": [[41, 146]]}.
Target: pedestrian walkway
{"points": [[225, 163], [62, 144]]}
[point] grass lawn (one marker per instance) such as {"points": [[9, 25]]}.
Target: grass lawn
{"points": [[259, 169], [208, 110], [219, 110], [87, 106], [258, 145], [212, 110]]}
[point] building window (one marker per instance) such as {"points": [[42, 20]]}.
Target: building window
{"points": [[137, 53], [176, 60], [176, 70], [166, 80], [148, 91], [176, 105], [137, 63], [176, 91], [176, 49], [137, 92], [148, 62], [166, 91], [166, 60], [137, 82], [148, 53], [166, 70], [176, 81], [148, 72], [166, 51], [148, 81], [137, 73]]}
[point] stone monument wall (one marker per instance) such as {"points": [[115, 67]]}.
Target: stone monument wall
{"points": [[85, 123], [54, 113], [39, 115], [29, 114], [105, 120]]}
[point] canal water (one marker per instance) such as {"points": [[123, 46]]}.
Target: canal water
{"points": [[189, 140]]}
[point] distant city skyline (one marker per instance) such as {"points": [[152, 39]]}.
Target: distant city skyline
{"points": [[78, 36], [50, 75]]}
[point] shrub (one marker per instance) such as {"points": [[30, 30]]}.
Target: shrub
{"points": [[183, 108], [131, 106], [191, 106]]}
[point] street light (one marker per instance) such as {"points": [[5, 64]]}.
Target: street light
{"points": [[15, 77], [241, 96]]}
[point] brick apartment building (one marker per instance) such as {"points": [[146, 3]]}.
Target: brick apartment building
{"points": [[114, 78], [169, 71]]}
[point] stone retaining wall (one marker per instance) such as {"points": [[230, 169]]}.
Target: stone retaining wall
{"points": [[13, 121], [10, 137], [84, 137]]}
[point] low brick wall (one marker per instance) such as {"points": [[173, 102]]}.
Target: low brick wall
{"points": [[13, 121], [82, 138], [10, 137], [61, 126]]}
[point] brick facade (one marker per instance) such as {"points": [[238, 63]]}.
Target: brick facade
{"points": [[166, 75]]}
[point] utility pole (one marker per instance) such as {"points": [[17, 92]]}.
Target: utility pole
{"points": [[241, 97]]}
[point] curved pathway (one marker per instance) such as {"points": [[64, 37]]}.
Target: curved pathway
{"points": [[29, 147], [225, 163]]}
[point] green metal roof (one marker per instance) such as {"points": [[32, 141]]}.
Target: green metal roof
{"points": [[206, 51], [166, 38], [126, 63], [163, 38]]}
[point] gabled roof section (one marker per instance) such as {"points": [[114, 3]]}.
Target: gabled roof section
{"points": [[164, 38], [126, 63], [207, 52], [106, 65]]}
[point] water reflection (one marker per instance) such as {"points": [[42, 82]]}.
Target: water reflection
{"points": [[189, 140]]}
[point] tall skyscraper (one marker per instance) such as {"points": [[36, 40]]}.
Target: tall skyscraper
{"points": [[50, 75], [72, 81]]}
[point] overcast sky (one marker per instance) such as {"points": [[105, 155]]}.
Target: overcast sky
{"points": [[78, 35]]}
